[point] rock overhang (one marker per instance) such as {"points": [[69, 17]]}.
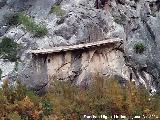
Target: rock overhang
{"points": [[113, 41]]}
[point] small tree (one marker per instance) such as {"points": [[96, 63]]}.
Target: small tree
{"points": [[139, 48]]}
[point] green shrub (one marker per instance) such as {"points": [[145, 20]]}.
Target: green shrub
{"points": [[47, 107], [56, 9], [12, 19], [31, 26], [40, 31], [139, 48], [9, 49]]}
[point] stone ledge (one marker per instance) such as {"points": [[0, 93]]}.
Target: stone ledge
{"points": [[75, 47]]}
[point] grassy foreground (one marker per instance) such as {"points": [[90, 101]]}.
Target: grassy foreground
{"points": [[65, 101]]}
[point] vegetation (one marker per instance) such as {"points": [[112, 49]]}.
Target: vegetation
{"points": [[29, 24], [12, 19], [103, 97], [69, 102], [9, 49], [56, 9], [139, 48], [17, 103]]}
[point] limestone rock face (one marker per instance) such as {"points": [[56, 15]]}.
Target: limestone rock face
{"points": [[133, 21], [78, 65]]}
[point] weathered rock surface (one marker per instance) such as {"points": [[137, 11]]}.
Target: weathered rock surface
{"points": [[78, 64], [132, 21]]}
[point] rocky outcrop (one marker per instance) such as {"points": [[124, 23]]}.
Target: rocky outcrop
{"points": [[78, 63], [140, 26], [131, 20]]}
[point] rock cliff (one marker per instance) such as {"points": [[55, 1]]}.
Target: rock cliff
{"points": [[134, 21]]}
